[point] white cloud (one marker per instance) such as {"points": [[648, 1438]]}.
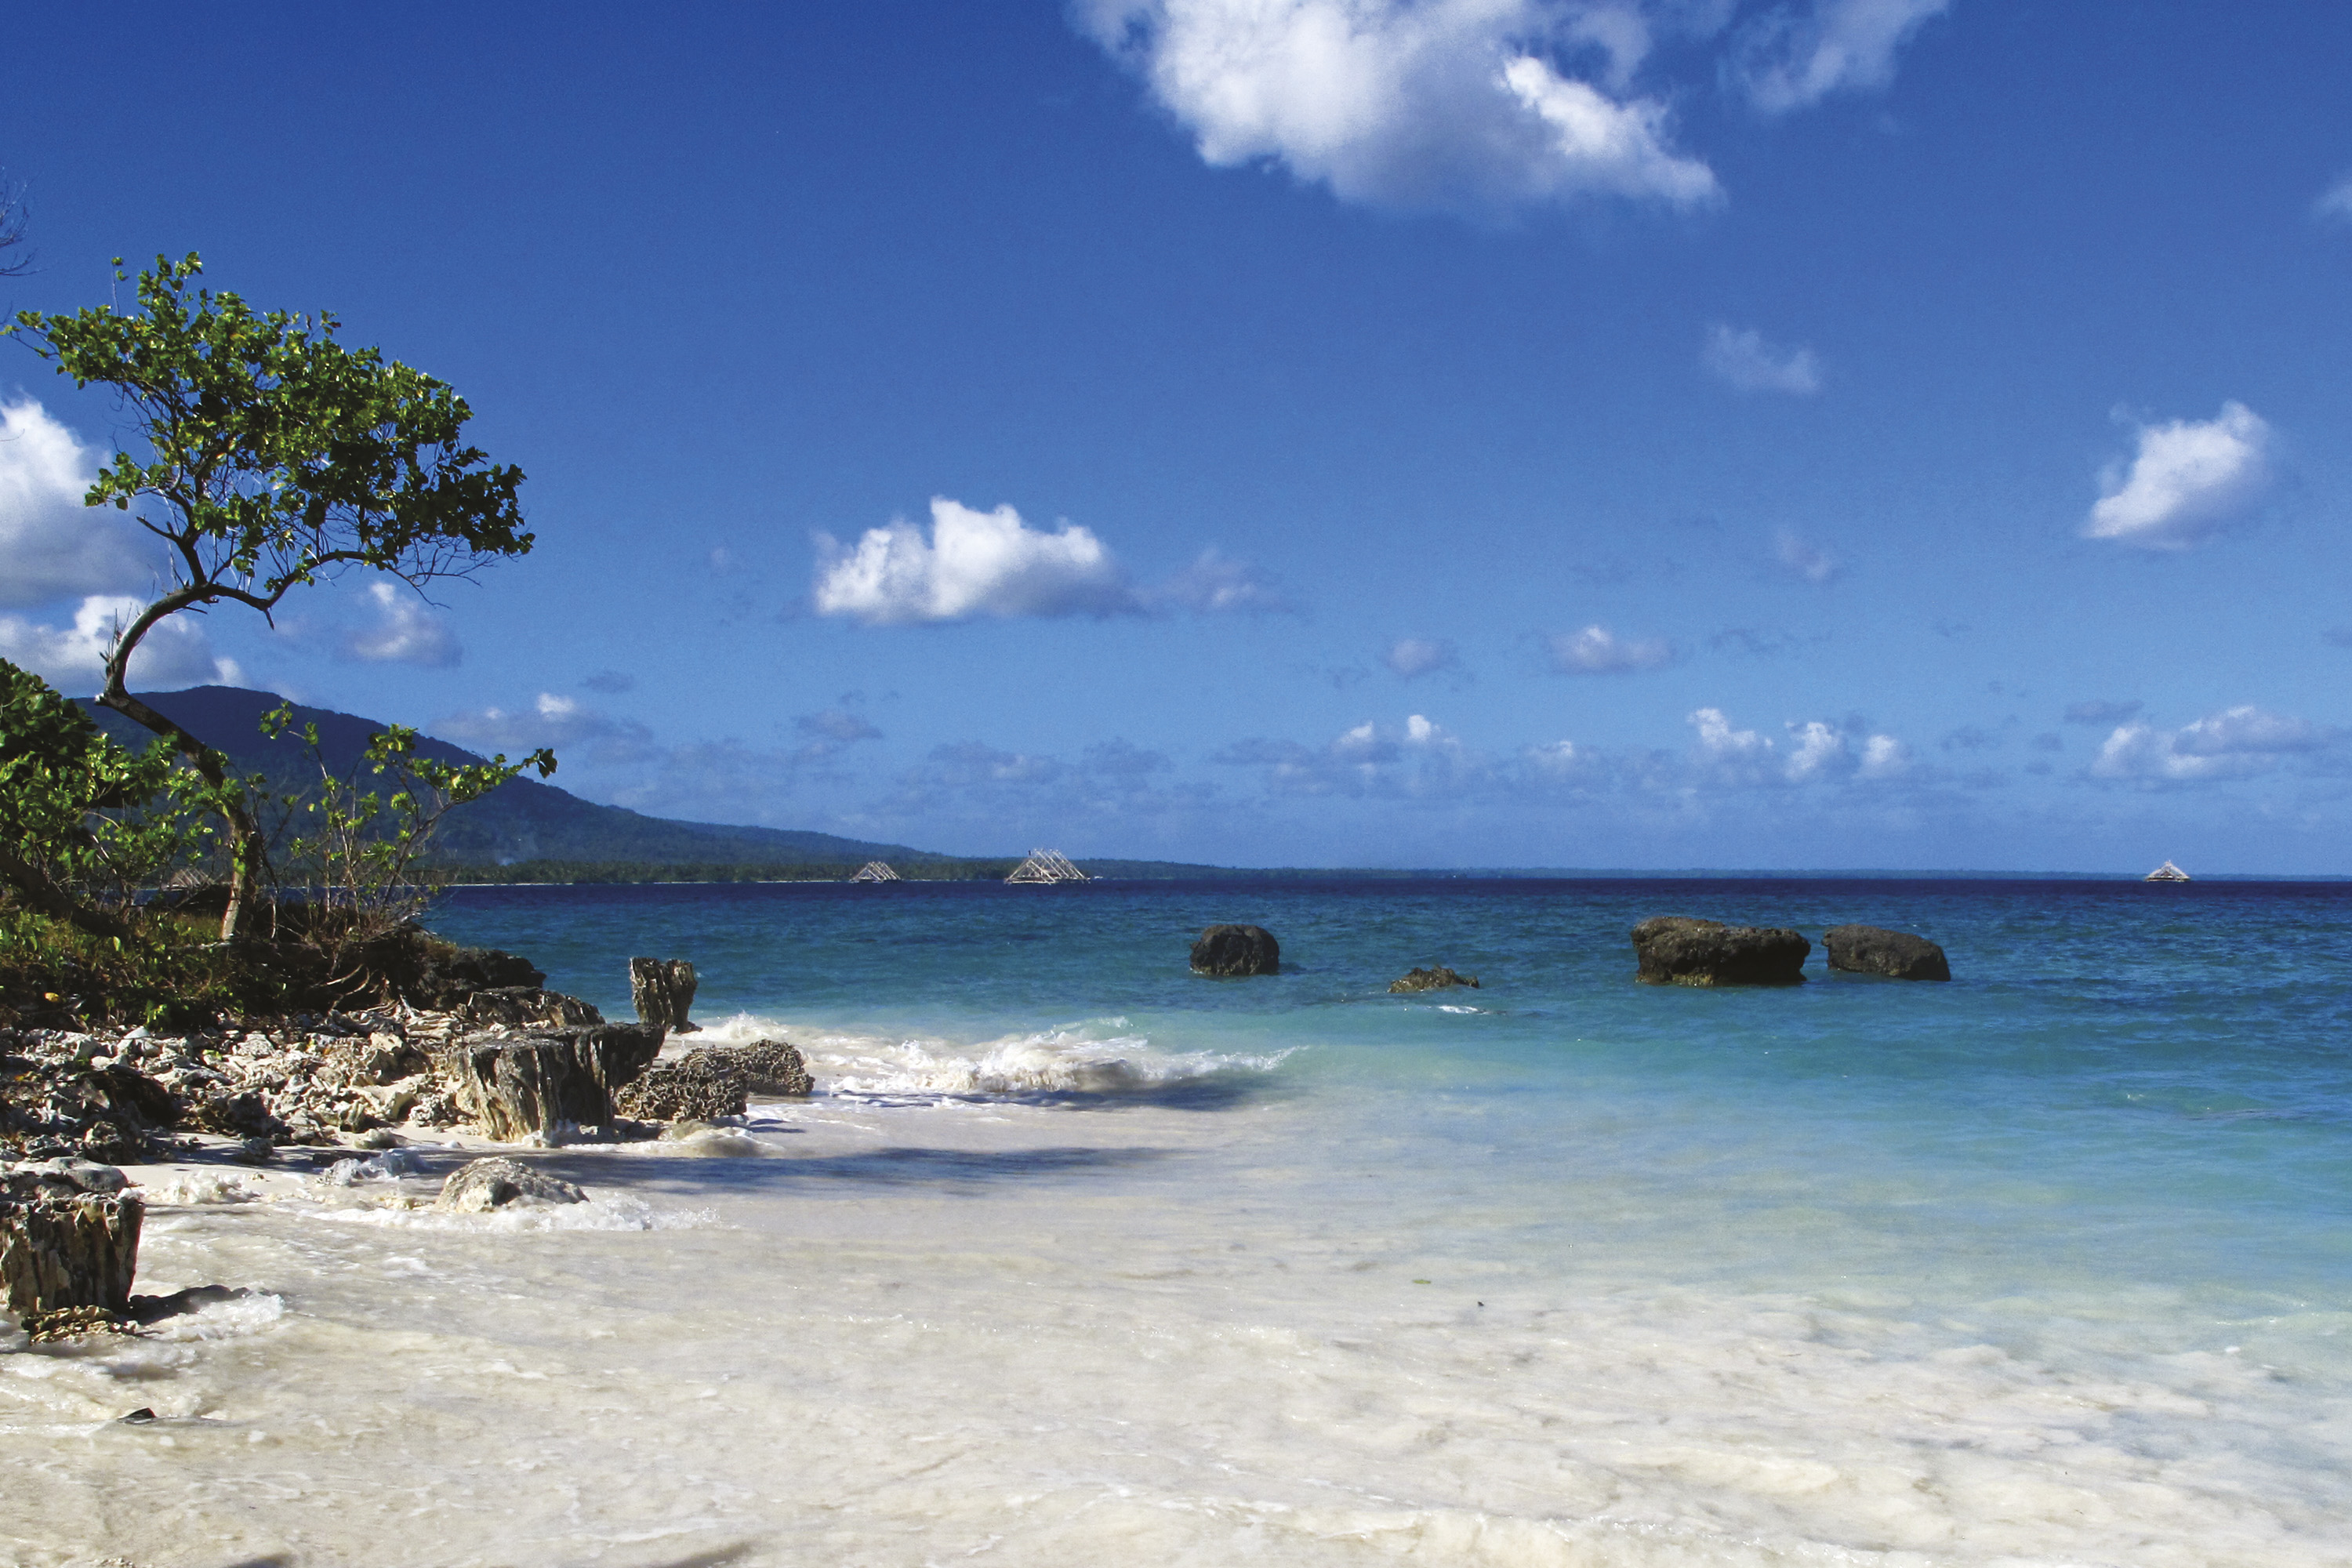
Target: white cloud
{"points": [[1439, 103], [2189, 478], [175, 652], [2232, 743], [405, 632], [1213, 584], [974, 563], [52, 546], [1809, 561], [1742, 359], [1597, 650], [1787, 60], [2335, 204], [550, 720], [1412, 657], [1816, 752]]}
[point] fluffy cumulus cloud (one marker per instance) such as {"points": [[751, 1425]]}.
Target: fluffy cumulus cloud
{"points": [[52, 546], [1419, 759], [1741, 359], [551, 719], [1409, 658], [973, 563], [1457, 104], [1811, 751], [2189, 478], [405, 631], [2233, 743], [174, 653], [1597, 650], [838, 725], [1792, 58]]}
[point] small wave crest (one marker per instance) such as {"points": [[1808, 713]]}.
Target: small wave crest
{"points": [[1081, 1060]]}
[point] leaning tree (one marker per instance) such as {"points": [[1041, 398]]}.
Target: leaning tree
{"points": [[274, 457]]}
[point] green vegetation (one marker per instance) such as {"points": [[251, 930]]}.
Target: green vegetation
{"points": [[274, 457]]}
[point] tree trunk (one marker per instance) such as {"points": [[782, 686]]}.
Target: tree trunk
{"points": [[249, 847]]}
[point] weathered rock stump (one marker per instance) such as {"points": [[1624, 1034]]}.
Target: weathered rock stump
{"points": [[663, 991], [1677, 949], [1438, 978], [540, 1084], [1229, 951], [68, 1246], [482, 1187], [1874, 950]]}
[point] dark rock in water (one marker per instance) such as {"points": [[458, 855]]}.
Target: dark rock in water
{"points": [[775, 1066], [72, 1253], [700, 1086], [481, 1187], [1227, 952], [446, 978], [528, 1004], [663, 991], [1439, 978], [1873, 950], [1676, 949], [540, 1083]]}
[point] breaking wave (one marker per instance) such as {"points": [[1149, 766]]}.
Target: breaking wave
{"points": [[1099, 1060]]}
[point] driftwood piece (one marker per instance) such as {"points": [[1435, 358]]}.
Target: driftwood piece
{"points": [[662, 991], [68, 1254], [540, 1084]]}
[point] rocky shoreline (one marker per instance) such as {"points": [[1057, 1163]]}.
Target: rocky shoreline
{"points": [[509, 1064]]}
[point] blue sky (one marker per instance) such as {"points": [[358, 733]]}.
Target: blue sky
{"points": [[1660, 433]]}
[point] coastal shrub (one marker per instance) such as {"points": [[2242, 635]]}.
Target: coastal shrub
{"points": [[268, 456]]}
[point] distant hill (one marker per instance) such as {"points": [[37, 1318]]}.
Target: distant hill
{"points": [[522, 821]]}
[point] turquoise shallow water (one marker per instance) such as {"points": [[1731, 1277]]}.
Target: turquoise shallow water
{"points": [[1075, 1258], [2124, 1086], [2050, 1263]]}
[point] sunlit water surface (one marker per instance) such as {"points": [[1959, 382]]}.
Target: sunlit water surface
{"points": [[1077, 1258]]}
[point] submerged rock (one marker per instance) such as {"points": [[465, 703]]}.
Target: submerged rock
{"points": [[1874, 950], [540, 1084], [482, 1187], [663, 991], [1228, 952], [1438, 978], [1677, 949]]}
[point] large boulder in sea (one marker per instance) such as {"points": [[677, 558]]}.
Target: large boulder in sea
{"points": [[1438, 978], [541, 1084], [1228, 952], [1874, 950], [1677, 949], [482, 1187]]}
